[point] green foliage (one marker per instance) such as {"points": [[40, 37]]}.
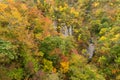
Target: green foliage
{"points": [[80, 71], [30, 49], [56, 49], [51, 43], [7, 50], [109, 51], [16, 74], [47, 65]]}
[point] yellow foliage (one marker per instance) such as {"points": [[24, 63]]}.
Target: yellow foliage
{"points": [[118, 77], [61, 8], [114, 39], [114, 29], [117, 36], [76, 30], [16, 15], [51, 10], [59, 19], [64, 67], [23, 6], [96, 4], [48, 65], [73, 11], [10, 1], [79, 37], [103, 38], [84, 51], [38, 36], [103, 30], [106, 44], [54, 70], [111, 4], [3, 6], [76, 14], [97, 12]]}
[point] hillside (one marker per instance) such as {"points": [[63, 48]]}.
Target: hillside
{"points": [[59, 40]]}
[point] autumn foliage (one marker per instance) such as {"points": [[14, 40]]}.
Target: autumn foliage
{"points": [[33, 47]]}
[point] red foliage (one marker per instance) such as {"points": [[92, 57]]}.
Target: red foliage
{"points": [[74, 51]]}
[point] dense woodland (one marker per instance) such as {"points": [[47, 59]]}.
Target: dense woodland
{"points": [[34, 44]]}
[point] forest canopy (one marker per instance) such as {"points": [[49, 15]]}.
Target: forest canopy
{"points": [[49, 39]]}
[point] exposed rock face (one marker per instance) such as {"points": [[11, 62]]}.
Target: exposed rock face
{"points": [[91, 49], [65, 30]]}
